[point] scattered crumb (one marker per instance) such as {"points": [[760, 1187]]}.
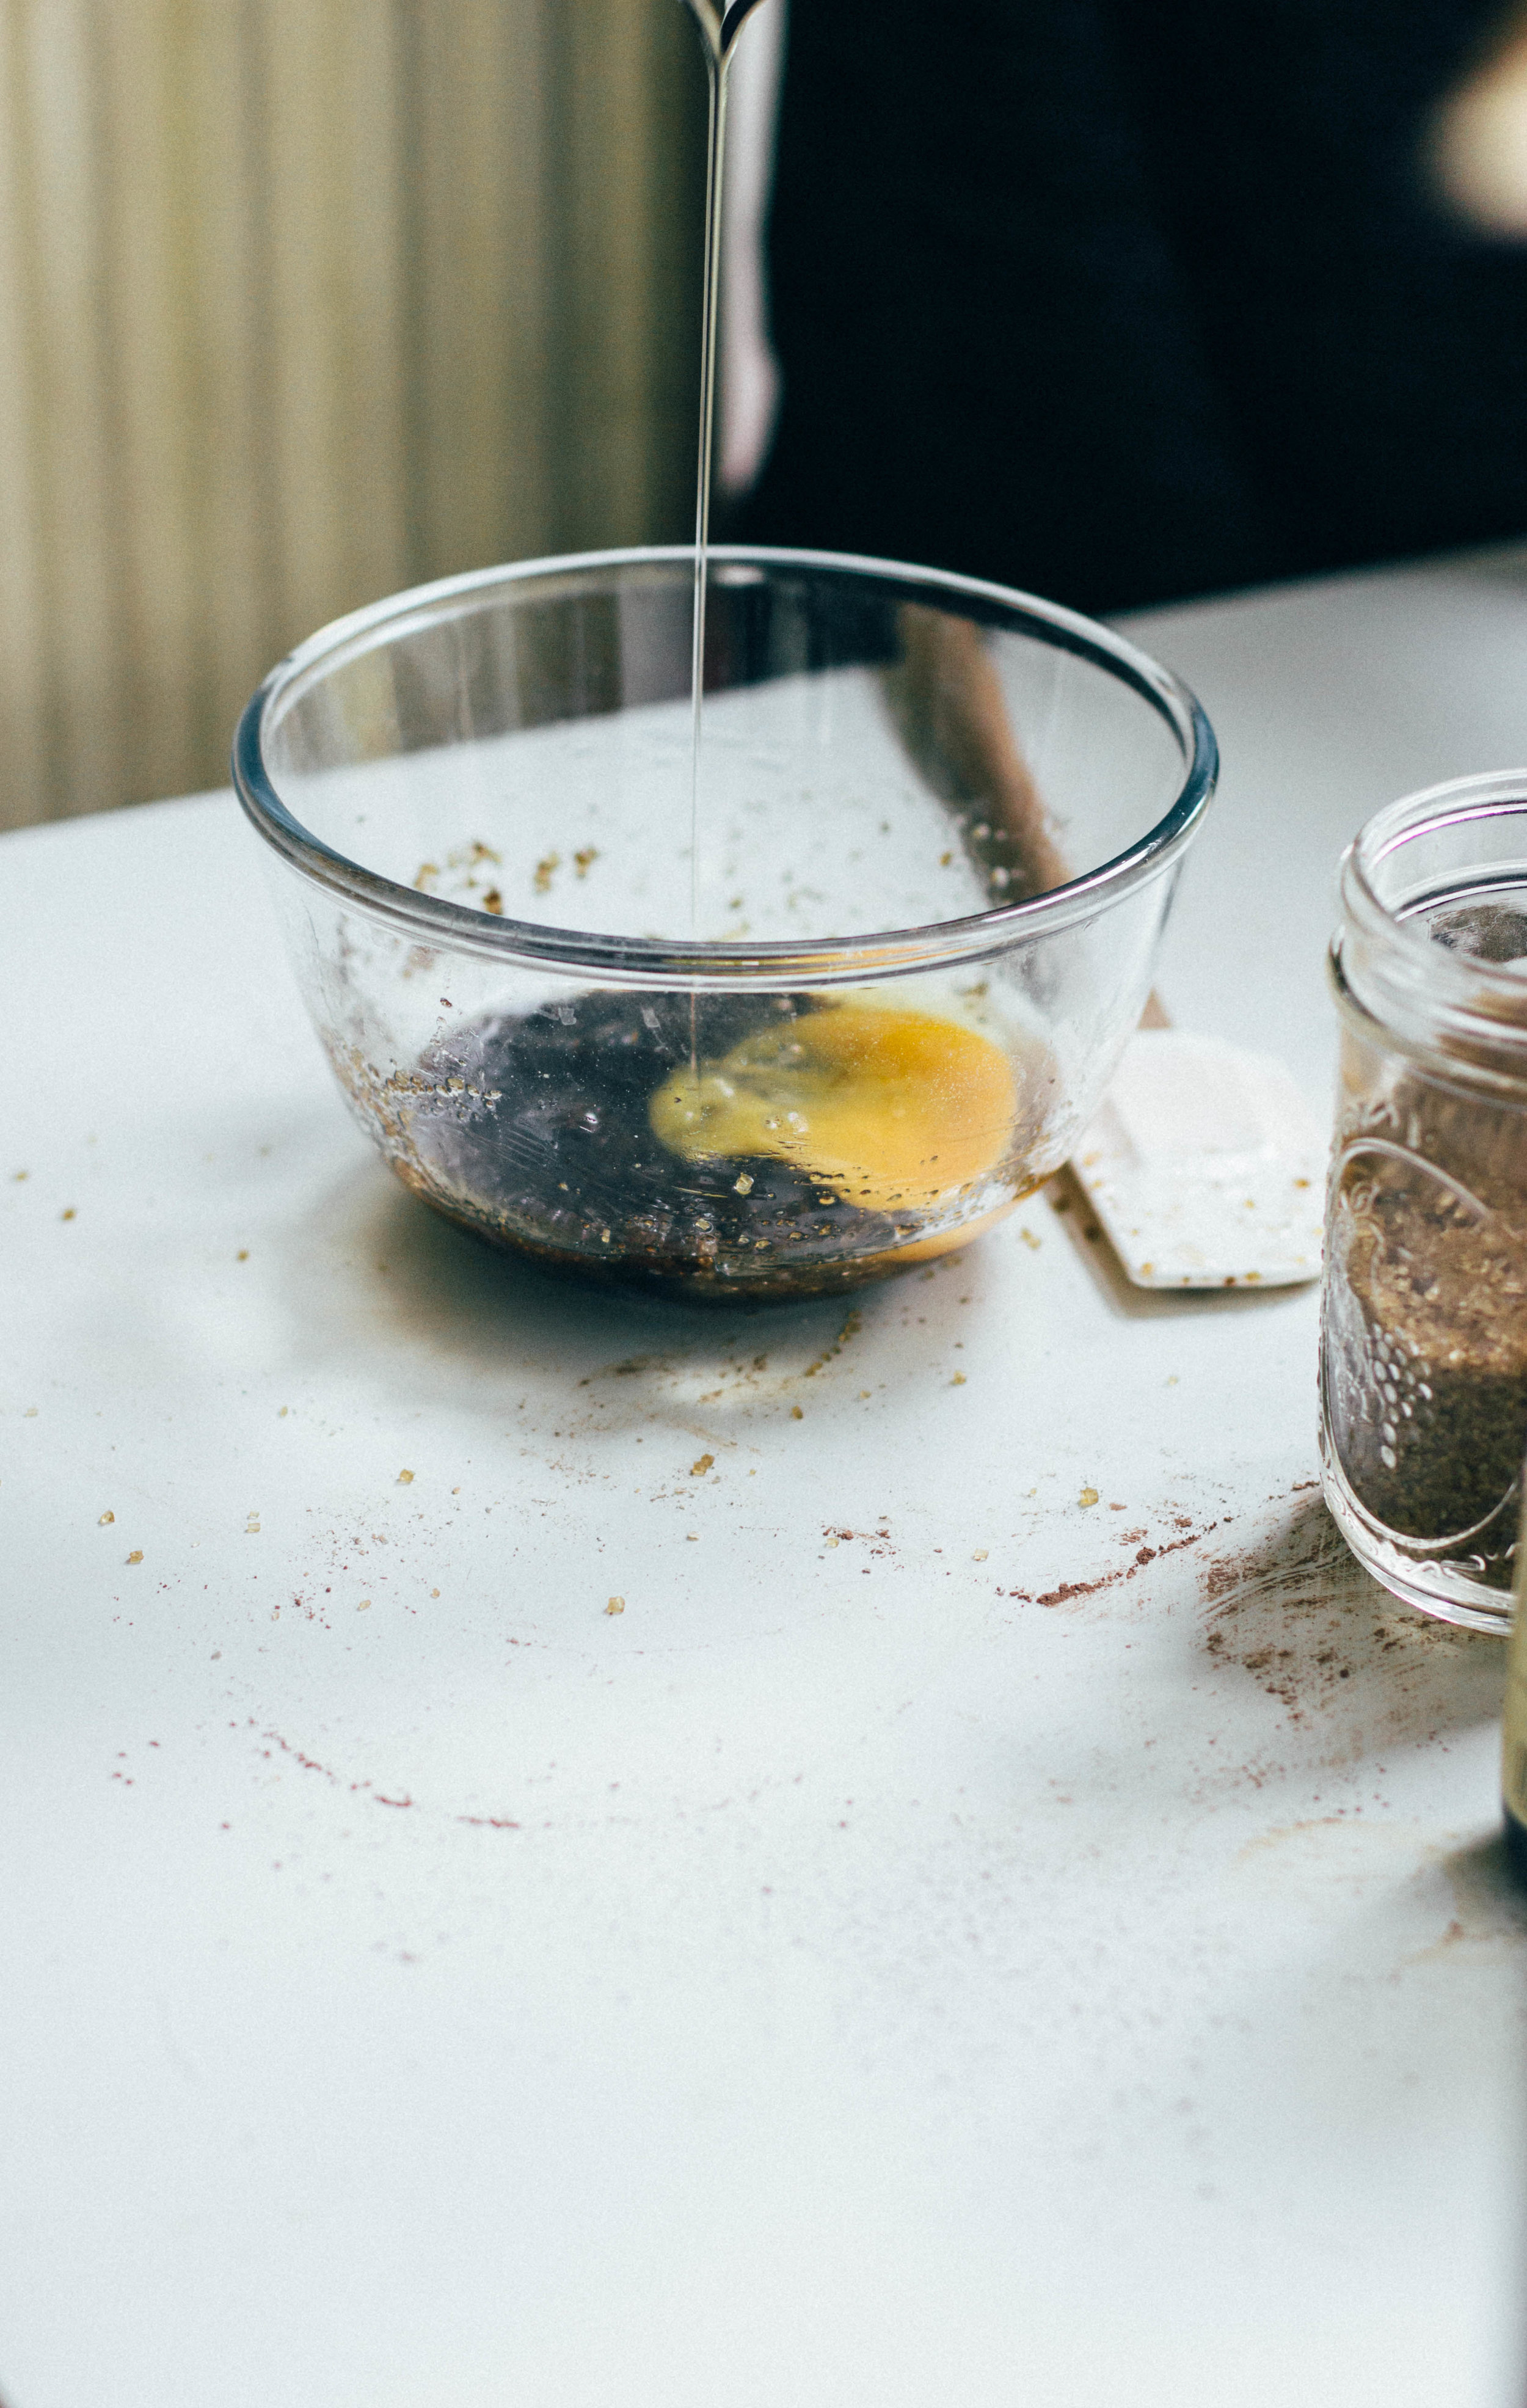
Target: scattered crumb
{"points": [[242, 1255], [795, 1413], [252, 1527], [1030, 1239], [427, 870], [545, 872], [1088, 1497], [29, 1414], [67, 1215], [405, 1479], [1116, 1508], [365, 1606], [833, 1542], [21, 1174], [136, 1556], [282, 1414], [945, 859], [852, 1325], [615, 1605], [864, 1396], [958, 1380], [434, 1592], [744, 1185], [493, 901], [105, 1518], [584, 858], [981, 1554], [691, 1538], [698, 1469]]}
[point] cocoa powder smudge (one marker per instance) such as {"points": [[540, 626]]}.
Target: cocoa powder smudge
{"points": [[1070, 1589]]}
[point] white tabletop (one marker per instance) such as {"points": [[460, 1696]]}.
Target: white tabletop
{"points": [[922, 1951]]}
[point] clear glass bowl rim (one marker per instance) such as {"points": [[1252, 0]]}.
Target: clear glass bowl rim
{"points": [[433, 921]]}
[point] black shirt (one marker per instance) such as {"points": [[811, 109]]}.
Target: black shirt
{"points": [[1124, 300]]}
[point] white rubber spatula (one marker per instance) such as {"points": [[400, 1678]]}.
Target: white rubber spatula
{"points": [[1206, 1167]]}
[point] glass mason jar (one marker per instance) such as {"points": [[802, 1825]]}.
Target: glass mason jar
{"points": [[1423, 1347]]}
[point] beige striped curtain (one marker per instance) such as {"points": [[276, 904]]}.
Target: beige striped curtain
{"points": [[302, 301]]}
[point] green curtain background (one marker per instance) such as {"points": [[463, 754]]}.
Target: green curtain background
{"points": [[302, 301]]}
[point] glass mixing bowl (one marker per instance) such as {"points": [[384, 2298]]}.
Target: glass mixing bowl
{"points": [[823, 1011]]}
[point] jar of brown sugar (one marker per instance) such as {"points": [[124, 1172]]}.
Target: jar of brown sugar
{"points": [[1423, 1343]]}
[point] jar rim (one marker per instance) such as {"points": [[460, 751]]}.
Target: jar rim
{"points": [[1436, 1003], [435, 919], [1428, 1050]]}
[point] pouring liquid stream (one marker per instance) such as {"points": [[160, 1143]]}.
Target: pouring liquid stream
{"points": [[858, 1100], [720, 26]]}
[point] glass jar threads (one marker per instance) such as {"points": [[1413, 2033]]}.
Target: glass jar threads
{"points": [[1423, 1344]]}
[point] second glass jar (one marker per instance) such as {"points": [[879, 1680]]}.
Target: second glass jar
{"points": [[1423, 1353]]}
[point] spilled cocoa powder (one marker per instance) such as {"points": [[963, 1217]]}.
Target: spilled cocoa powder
{"points": [[878, 1542], [1298, 1613], [1067, 1592], [361, 1788]]}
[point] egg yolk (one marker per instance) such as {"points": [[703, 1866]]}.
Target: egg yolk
{"points": [[890, 1108]]}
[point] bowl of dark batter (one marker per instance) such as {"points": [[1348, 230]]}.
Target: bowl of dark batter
{"points": [[812, 1002]]}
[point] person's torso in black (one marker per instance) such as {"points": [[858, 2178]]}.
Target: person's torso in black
{"points": [[1122, 300]]}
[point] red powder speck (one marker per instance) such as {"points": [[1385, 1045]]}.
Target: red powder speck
{"points": [[1069, 1589]]}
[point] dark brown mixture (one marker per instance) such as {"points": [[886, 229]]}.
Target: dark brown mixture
{"points": [[1426, 1332], [547, 1145]]}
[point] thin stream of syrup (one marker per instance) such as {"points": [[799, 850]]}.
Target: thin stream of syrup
{"points": [[720, 26]]}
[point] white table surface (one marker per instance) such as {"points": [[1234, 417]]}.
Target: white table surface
{"points": [[844, 1977]]}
